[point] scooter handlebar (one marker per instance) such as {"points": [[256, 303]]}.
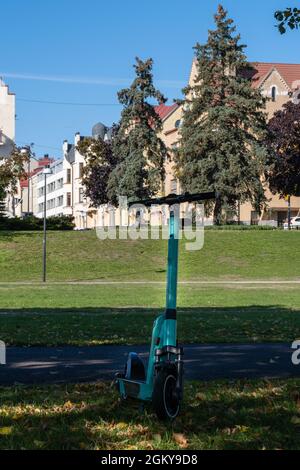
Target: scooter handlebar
{"points": [[172, 199]]}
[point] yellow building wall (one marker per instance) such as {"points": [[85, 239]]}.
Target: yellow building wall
{"points": [[171, 136]]}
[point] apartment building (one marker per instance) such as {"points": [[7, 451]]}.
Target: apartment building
{"points": [[279, 83], [7, 119], [85, 215], [55, 192], [26, 197], [7, 134]]}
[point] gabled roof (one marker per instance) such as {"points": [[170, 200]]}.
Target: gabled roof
{"points": [[42, 162], [289, 72], [23, 184], [164, 111]]}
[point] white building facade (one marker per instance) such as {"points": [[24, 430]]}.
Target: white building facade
{"points": [[55, 191], [7, 135], [7, 120]]}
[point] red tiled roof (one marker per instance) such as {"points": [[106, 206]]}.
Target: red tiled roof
{"points": [[289, 72], [45, 161], [42, 163], [24, 184], [163, 111]]}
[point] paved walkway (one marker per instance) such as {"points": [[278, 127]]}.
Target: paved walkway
{"points": [[256, 282], [202, 362]]}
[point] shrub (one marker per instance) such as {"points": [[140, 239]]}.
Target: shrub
{"points": [[63, 222]]}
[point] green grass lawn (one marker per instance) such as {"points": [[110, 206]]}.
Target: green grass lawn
{"points": [[215, 415], [82, 256], [96, 314], [122, 313]]}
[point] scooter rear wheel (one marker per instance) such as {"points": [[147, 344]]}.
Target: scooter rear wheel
{"points": [[165, 398]]}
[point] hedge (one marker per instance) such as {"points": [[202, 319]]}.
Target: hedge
{"points": [[63, 222]]}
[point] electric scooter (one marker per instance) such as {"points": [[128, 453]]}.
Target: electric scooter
{"points": [[162, 381]]}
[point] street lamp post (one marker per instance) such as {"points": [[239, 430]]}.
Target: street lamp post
{"points": [[46, 171], [289, 212], [27, 151]]}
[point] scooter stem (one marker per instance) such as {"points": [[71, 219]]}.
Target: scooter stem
{"points": [[171, 301]]}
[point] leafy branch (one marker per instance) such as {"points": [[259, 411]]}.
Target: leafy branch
{"points": [[288, 18]]}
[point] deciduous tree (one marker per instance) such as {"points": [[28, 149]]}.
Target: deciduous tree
{"points": [[288, 18], [99, 164], [11, 170], [284, 149]]}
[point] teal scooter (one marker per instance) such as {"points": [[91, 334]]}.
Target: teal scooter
{"points": [[162, 381]]}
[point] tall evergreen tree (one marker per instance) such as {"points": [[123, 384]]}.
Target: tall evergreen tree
{"points": [[223, 124], [139, 150]]}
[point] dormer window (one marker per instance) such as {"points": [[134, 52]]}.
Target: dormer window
{"points": [[273, 93]]}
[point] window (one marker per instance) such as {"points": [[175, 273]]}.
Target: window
{"points": [[41, 207], [273, 93], [51, 187], [173, 186], [80, 194], [60, 201], [51, 204], [68, 199], [178, 123], [80, 170], [60, 183], [69, 176]]}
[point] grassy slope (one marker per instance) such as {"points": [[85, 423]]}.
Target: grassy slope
{"points": [[215, 415], [89, 315], [81, 256], [92, 314]]}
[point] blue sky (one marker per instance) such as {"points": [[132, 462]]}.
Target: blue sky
{"points": [[82, 52]]}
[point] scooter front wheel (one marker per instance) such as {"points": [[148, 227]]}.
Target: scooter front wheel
{"points": [[165, 398]]}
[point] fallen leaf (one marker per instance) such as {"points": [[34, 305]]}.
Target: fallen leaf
{"points": [[5, 431], [39, 444], [200, 396], [181, 440], [295, 420]]}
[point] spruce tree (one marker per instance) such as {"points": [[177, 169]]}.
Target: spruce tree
{"points": [[140, 152], [223, 124]]}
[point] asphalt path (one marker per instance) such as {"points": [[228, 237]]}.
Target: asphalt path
{"points": [[37, 365]]}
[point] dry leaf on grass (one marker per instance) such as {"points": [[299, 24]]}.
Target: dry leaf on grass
{"points": [[295, 420], [5, 431], [180, 439]]}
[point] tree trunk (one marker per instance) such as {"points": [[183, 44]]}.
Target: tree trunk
{"points": [[218, 211]]}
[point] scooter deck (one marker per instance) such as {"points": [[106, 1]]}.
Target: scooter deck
{"points": [[135, 389]]}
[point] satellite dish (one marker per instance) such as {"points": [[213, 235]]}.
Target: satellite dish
{"points": [[99, 131], [296, 96]]}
